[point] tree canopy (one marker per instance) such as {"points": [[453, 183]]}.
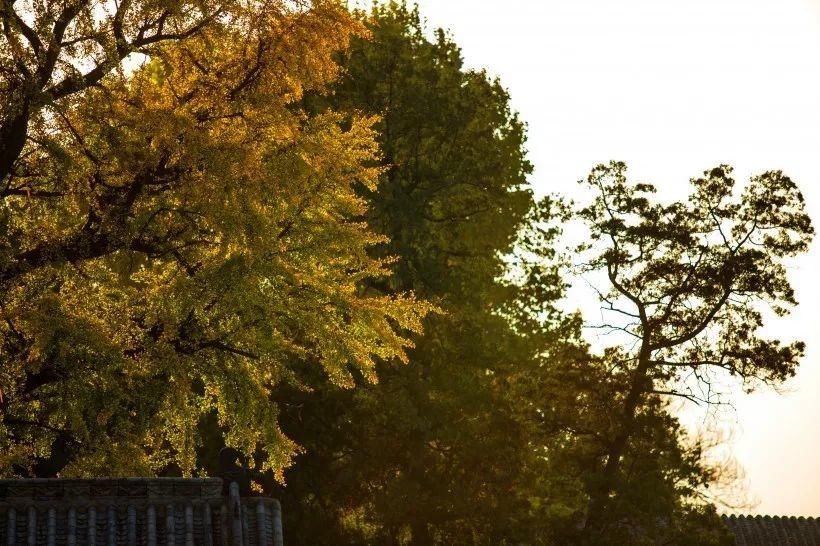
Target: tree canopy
{"points": [[686, 286], [174, 236], [433, 453]]}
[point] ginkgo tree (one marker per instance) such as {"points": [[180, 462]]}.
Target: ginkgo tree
{"points": [[173, 236], [53, 50], [686, 285]]}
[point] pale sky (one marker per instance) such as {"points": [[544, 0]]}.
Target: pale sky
{"points": [[674, 88]]}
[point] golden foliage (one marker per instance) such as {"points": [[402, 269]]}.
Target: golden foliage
{"points": [[189, 233]]}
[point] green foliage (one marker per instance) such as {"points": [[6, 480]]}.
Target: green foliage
{"points": [[434, 452]]}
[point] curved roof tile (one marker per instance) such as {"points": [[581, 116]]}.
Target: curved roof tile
{"points": [[774, 530]]}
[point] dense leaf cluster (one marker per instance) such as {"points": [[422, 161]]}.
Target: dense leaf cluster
{"points": [[172, 237]]}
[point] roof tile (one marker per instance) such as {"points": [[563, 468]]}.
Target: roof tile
{"points": [[774, 530]]}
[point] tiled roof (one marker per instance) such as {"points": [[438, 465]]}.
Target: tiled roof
{"points": [[774, 530], [132, 511]]}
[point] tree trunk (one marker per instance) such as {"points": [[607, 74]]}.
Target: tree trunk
{"points": [[599, 497], [13, 132], [421, 534]]}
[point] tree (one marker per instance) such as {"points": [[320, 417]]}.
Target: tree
{"points": [[51, 52], [687, 282], [433, 453], [174, 239], [563, 399]]}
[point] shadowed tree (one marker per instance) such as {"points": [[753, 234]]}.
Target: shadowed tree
{"points": [[433, 453], [687, 286], [563, 398]]}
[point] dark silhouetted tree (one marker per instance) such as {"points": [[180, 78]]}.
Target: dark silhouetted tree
{"points": [[688, 284], [434, 453]]}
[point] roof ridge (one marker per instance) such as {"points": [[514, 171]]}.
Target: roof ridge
{"points": [[766, 530], [764, 516]]}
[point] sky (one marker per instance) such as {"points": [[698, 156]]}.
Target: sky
{"points": [[675, 88]]}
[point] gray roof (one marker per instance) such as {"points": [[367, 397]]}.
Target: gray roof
{"points": [[135, 511], [774, 530]]}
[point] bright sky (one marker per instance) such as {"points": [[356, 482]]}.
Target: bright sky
{"points": [[674, 88]]}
